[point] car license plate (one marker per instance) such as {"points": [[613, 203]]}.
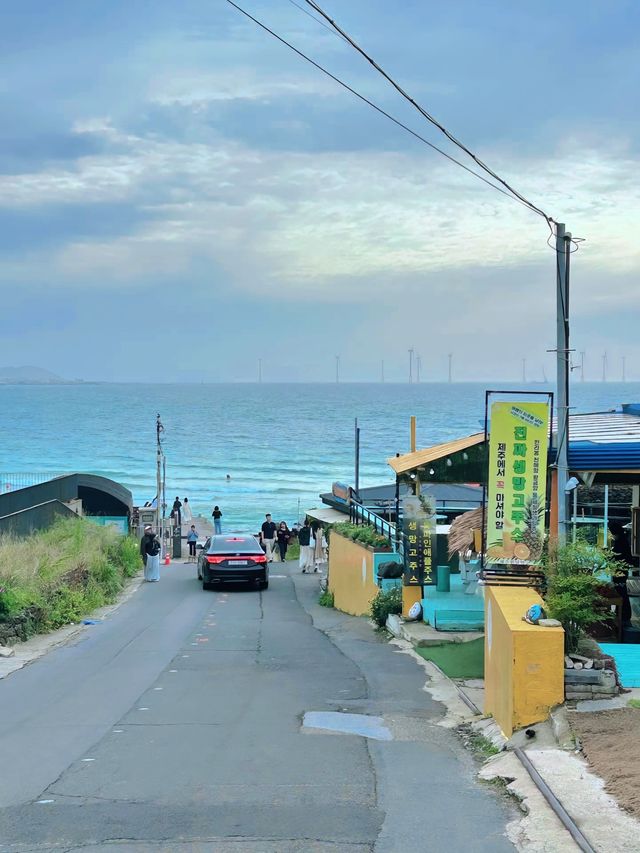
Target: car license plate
{"points": [[238, 562]]}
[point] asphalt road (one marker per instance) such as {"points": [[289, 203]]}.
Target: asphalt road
{"points": [[176, 726]]}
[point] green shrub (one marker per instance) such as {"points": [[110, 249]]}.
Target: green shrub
{"points": [[576, 572], [364, 534], [384, 604], [58, 575], [326, 598]]}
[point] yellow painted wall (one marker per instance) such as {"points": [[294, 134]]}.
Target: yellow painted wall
{"points": [[410, 594], [351, 575], [523, 664]]}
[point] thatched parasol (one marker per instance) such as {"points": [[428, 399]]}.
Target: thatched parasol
{"points": [[461, 531]]}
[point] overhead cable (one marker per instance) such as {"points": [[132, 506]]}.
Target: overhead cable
{"points": [[383, 112]]}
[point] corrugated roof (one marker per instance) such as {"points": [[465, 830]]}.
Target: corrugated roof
{"points": [[410, 461]]}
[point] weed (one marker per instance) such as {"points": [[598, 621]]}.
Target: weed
{"points": [[326, 598]]}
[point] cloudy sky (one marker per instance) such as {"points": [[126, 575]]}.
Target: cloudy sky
{"points": [[181, 195]]}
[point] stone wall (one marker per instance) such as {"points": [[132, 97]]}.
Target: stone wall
{"points": [[590, 684]]}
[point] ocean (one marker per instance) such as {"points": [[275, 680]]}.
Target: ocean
{"points": [[281, 444]]}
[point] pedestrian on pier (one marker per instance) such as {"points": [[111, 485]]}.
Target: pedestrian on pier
{"points": [[192, 538], [217, 520], [175, 511], [283, 536], [268, 536], [152, 564], [187, 515]]}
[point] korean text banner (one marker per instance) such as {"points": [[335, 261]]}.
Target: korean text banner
{"points": [[517, 482], [419, 530]]}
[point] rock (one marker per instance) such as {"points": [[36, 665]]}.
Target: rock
{"points": [[598, 664], [577, 665], [568, 663], [588, 664], [6, 652]]}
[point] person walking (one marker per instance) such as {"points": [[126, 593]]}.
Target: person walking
{"points": [[283, 536], [192, 539], [187, 515], [217, 520], [320, 546], [152, 565], [306, 551], [175, 511], [268, 536], [143, 544]]}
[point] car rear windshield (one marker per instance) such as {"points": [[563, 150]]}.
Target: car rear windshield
{"points": [[235, 545]]}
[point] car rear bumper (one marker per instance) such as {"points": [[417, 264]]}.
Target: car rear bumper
{"points": [[253, 574]]}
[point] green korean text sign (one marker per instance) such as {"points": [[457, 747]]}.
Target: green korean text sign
{"points": [[517, 482]]}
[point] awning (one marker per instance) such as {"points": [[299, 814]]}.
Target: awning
{"points": [[411, 461], [327, 515]]}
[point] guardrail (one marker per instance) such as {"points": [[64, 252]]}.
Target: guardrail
{"points": [[359, 514]]}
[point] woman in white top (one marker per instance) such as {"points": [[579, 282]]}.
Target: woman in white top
{"points": [[186, 511]]}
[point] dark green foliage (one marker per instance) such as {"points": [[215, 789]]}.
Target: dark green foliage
{"points": [[384, 604]]}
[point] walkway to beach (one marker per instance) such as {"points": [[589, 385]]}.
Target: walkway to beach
{"points": [[177, 725]]}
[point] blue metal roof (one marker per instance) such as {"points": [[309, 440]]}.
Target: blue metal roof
{"points": [[605, 441]]}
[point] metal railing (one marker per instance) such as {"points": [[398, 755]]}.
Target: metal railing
{"points": [[359, 514], [10, 482]]}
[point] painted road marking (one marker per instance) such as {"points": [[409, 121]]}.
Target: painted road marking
{"points": [[88, 759], [143, 709], [43, 802]]}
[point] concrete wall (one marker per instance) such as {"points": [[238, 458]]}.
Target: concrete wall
{"points": [[523, 664], [353, 574]]}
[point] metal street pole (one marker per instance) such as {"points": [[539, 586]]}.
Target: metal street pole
{"points": [[357, 460], [159, 496], [563, 246]]}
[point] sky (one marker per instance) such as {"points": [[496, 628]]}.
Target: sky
{"points": [[181, 195]]}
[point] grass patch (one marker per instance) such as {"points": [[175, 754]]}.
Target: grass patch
{"points": [[634, 703], [457, 660], [480, 745], [293, 551], [326, 598], [56, 576]]}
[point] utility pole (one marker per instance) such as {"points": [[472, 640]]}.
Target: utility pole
{"points": [[410, 365], [563, 254], [604, 367], [159, 482], [524, 370], [357, 460], [418, 366], [337, 369], [450, 367], [382, 371], [260, 370], [582, 366], [624, 368]]}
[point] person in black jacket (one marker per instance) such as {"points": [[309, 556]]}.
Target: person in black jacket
{"points": [[143, 544], [306, 551], [152, 550]]}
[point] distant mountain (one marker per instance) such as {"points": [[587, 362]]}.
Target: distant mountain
{"points": [[29, 376]]}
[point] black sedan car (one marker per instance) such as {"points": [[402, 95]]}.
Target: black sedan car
{"points": [[233, 558]]}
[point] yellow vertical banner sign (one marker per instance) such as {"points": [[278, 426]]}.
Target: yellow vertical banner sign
{"points": [[517, 482]]}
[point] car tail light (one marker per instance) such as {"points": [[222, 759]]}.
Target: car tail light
{"points": [[259, 558], [215, 560]]}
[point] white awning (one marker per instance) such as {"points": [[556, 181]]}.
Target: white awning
{"points": [[327, 515]]}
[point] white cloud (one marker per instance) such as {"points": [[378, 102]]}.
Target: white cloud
{"points": [[326, 222]]}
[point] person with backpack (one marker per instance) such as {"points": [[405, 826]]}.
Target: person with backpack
{"points": [[152, 564]]}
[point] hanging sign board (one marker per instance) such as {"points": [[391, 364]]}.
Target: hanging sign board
{"points": [[419, 532], [517, 482]]}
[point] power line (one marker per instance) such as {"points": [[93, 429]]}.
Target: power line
{"points": [[377, 108], [426, 114], [317, 20]]}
